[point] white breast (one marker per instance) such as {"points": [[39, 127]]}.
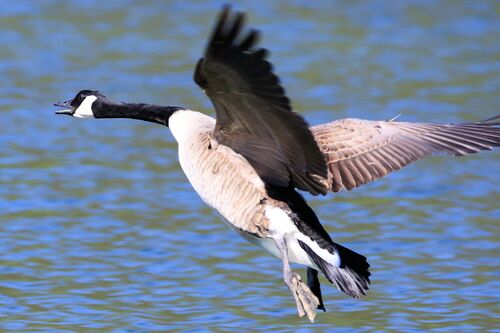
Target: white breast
{"points": [[184, 124]]}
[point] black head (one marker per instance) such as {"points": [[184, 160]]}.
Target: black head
{"points": [[81, 105]]}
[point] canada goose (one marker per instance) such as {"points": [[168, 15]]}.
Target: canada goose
{"points": [[248, 162]]}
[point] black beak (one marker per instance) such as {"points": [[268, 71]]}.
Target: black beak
{"points": [[65, 104]]}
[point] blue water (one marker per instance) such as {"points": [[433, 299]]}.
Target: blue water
{"points": [[100, 232]]}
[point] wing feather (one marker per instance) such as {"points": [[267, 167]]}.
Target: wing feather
{"points": [[254, 116], [360, 151]]}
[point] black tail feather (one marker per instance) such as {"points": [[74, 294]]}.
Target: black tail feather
{"points": [[352, 277], [355, 261], [314, 285]]}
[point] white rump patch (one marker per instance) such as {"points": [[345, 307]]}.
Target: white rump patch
{"points": [[281, 225], [279, 221], [85, 108], [332, 259]]}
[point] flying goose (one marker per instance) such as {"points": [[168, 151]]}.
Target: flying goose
{"points": [[249, 162]]}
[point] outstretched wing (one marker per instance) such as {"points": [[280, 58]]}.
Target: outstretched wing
{"points": [[254, 116], [360, 151]]}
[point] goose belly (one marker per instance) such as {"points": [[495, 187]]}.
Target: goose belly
{"points": [[295, 253]]}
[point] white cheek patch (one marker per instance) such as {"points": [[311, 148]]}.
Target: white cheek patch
{"points": [[85, 108]]}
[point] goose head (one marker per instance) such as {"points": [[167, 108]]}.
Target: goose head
{"points": [[82, 105]]}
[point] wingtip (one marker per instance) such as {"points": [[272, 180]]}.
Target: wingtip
{"points": [[226, 9], [251, 39], [221, 21], [229, 25], [489, 121], [234, 29], [230, 30]]}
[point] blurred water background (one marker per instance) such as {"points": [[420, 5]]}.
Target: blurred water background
{"points": [[100, 232]]}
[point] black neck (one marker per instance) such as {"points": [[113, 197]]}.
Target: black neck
{"points": [[147, 112]]}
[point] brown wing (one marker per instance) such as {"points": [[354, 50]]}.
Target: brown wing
{"points": [[254, 116], [361, 151]]}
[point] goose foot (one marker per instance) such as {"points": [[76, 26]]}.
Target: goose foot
{"points": [[306, 301]]}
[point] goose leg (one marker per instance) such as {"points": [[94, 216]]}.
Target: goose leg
{"points": [[306, 301]]}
